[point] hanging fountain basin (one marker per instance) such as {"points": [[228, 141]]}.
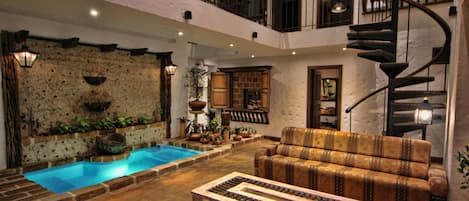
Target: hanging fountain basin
{"points": [[98, 106], [111, 144]]}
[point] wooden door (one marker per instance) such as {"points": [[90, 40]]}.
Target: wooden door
{"points": [[265, 92], [220, 93], [314, 93]]}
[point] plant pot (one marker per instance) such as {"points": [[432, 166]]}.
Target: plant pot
{"points": [[237, 138], [195, 136], [197, 105], [204, 140], [94, 80], [245, 134], [98, 106]]}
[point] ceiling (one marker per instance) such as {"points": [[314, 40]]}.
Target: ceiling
{"points": [[126, 20]]}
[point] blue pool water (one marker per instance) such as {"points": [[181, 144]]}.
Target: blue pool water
{"points": [[81, 174]]}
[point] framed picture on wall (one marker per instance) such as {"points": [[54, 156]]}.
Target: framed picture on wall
{"points": [[328, 89]]}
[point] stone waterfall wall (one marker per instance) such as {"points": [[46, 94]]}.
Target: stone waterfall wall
{"points": [[54, 89]]}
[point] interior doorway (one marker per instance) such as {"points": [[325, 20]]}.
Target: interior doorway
{"points": [[324, 97]]}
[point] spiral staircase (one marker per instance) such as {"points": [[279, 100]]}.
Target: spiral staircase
{"points": [[379, 40]]}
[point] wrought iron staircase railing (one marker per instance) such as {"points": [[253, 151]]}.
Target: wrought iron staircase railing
{"points": [[374, 31]]}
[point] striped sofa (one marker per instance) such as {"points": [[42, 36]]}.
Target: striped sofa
{"points": [[359, 166]]}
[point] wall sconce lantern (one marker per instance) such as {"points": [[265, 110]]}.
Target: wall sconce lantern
{"points": [[338, 7], [424, 113], [25, 57], [171, 69]]}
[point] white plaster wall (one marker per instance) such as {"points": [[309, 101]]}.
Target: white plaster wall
{"points": [[41, 27], [289, 90], [458, 102]]}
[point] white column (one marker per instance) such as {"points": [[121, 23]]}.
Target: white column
{"points": [[314, 13], [269, 13], [307, 14]]}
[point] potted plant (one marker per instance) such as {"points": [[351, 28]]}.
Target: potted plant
{"points": [[463, 158], [122, 121], [82, 125], [195, 81], [194, 130], [61, 128], [204, 138], [214, 124]]}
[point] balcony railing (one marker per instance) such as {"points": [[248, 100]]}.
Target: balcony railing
{"points": [[291, 15], [384, 5]]}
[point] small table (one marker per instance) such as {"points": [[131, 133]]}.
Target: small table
{"points": [[239, 186]]}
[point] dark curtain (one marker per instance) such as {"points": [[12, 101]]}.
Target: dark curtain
{"points": [[10, 100]]}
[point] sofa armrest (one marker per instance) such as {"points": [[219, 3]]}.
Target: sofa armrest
{"points": [[268, 150], [438, 182]]}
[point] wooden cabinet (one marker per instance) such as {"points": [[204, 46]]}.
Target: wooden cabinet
{"points": [[220, 90]]}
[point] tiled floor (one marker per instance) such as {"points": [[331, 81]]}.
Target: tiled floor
{"points": [[16, 187], [177, 185]]}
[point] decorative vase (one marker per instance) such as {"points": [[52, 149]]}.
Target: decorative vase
{"points": [[197, 105], [226, 135]]}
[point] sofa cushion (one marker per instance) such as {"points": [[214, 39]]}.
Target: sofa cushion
{"points": [[371, 145], [350, 182], [388, 165]]}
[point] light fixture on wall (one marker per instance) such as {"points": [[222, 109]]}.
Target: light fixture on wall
{"points": [[424, 113], [171, 69], [338, 7], [25, 57]]}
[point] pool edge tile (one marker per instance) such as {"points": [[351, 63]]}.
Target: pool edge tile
{"points": [[89, 192], [146, 175], [118, 183]]}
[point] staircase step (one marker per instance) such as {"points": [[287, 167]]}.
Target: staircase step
{"points": [[386, 35], [407, 81], [373, 45], [396, 95], [372, 26], [401, 129], [409, 118], [412, 106], [393, 69], [378, 56]]}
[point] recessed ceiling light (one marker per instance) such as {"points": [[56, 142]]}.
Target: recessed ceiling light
{"points": [[94, 12], [293, 53], [180, 33], [344, 49], [253, 56], [231, 45]]}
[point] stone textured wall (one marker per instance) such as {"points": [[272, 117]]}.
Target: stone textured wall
{"points": [[58, 147], [54, 89]]}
